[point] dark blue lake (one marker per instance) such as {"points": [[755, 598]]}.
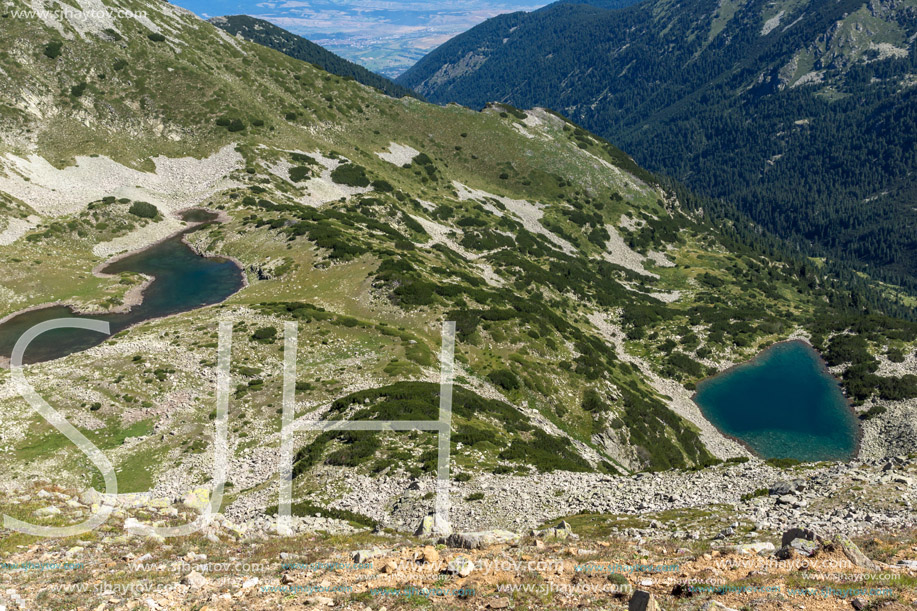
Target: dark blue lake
{"points": [[184, 281], [783, 404]]}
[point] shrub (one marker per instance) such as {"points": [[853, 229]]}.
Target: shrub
{"points": [[236, 125], [546, 453], [78, 90], [299, 173], [872, 412], [303, 158], [156, 37], [52, 50], [757, 493], [475, 496], [265, 334], [119, 65], [350, 174], [504, 378], [383, 186], [898, 389], [144, 210], [592, 401], [684, 363]]}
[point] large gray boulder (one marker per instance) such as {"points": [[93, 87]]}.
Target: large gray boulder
{"points": [[433, 525], [854, 554], [787, 487], [804, 546], [800, 533]]}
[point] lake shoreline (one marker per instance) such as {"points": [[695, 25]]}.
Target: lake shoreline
{"points": [[823, 366], [134, 296]]}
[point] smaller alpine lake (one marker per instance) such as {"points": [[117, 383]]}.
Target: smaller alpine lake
{"points": [[182, 281], [782, 404]]}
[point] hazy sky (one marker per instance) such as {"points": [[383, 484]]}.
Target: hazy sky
{"points": [[386, 35]]}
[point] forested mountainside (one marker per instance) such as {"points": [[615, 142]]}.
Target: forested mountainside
{"points": [[800, 113], [267, 34], [590, 298]]}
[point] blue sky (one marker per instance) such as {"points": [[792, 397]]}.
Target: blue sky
{"points": [[385, 35]]}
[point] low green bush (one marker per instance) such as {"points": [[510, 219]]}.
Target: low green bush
{"points": [[52, 50], [144, 210], [351, 175]]}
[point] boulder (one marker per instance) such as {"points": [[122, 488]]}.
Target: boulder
{"points": [[425, 528], [800, 533], [362, 556], [197, 499], [755, 548], [563, 530], [482, 539], [195, 580], [786, 487], [137, 528], [430, 555], [90, 497], [642, 601], [389, 567], [433, 525], [804, 546], [46, 512], [726, 532], [461, 566], [853, 553]]}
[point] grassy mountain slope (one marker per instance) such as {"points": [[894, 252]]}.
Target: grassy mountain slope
{"points": [[589, 298], [267, 34], [801, 113]]}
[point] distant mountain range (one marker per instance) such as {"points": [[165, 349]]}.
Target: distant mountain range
{"points": [[804, 114], [269, 35]]}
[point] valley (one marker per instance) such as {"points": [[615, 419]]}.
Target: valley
{"points": [[797, 113], [591, 297]]}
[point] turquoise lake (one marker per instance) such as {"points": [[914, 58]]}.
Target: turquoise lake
{"points": [[184, 281], [783, 404]]}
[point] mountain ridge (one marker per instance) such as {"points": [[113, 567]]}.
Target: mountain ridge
{"points": [[267, 34]]}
